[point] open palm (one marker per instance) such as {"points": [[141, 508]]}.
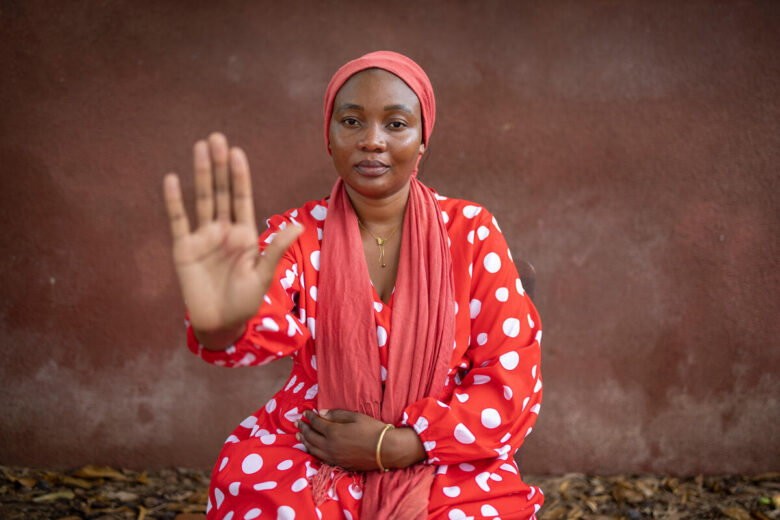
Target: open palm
{"points": [[222, 274]]}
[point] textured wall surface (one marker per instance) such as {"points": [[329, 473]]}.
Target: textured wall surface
{"points": [[630, 151]]}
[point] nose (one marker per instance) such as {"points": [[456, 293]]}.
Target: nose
{"points": [[373, 139]]}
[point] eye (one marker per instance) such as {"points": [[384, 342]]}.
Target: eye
{"points": [[350, 121], [397, 125]]}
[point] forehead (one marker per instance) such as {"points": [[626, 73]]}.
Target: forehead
{"points": [[376, 87]]}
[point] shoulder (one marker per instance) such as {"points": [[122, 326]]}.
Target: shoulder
{"points": [[311, 215], [464, 215]]}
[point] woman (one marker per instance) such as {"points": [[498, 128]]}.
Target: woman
{"points": [[415, 348]]}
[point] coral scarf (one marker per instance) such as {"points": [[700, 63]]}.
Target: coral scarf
{"points": [[422, 323]]}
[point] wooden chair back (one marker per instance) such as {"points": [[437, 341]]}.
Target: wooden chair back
{"points": [[528, 279]]}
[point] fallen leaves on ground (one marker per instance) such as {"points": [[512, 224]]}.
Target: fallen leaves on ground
{"points": [[738, 497], [103, 493]]}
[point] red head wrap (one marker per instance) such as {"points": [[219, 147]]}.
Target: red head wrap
{"points": [[403, 67]]}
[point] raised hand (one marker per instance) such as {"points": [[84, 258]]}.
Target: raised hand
{"points": [[222, 275]]}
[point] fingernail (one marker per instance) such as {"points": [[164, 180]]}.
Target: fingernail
{"points": [[324, 412], [298, 436]]}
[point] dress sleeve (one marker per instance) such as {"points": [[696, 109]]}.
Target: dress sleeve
{"points": [[496, 401], [274, 332]]}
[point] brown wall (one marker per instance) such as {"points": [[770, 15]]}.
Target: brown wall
{"points": [[629, 149]]}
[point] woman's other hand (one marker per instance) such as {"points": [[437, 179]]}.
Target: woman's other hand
{"points": [[349, 439], [222, 275]]}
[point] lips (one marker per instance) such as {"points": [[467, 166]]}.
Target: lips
{"points": [[371, 168]]}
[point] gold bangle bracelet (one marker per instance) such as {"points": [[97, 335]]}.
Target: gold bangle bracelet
{"points": [[379, 447]]}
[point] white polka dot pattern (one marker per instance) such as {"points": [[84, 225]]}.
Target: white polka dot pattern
{"points": [[509, 360], [488, 510], [492, 263], [285, 513], [252, 463], [511, 327], [463, 434], [319, 212], [381, 336], [490, 418], [452, 491], [489, 403], [471, 211], [474, 307]]}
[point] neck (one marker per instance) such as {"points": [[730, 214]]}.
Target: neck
{"points": [[380, 214]]}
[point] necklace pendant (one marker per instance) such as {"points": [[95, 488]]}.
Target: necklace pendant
{"points": [[381, 241]]}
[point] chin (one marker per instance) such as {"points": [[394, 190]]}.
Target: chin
{"points": [[374, 188]]}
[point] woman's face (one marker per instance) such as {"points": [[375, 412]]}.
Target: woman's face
{"points": [[375, 133]]}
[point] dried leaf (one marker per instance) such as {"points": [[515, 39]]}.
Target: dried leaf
{"points": [[141, 511], [55, 496], [26, 482], [75, 482], [122, 496], [736, 513], [91, 471]]}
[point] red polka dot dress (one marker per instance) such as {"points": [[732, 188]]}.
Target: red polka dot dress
{"points": [[488, 406]]}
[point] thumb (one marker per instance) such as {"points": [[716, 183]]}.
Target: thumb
{"points": [[281, 242]]}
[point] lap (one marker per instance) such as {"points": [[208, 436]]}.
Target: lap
{"points": [[269, 478], [253, 479]]}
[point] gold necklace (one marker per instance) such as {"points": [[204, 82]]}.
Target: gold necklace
{"points": [[379, 241]]}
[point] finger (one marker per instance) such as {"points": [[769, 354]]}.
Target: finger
{"points": [[204, 183], [219, 157], [310, 448], [177, 217], [311, 435], [273, 253], [243, 207], [339, 416], [317, 423]]}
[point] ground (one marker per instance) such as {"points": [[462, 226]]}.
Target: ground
{"points": [[99, 492]]}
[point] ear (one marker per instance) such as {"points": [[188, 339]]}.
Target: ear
{"points": [[422, 148]]}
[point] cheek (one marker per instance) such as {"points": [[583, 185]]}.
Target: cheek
{"points": [[409, 148]]}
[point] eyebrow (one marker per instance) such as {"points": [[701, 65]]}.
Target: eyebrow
{"points": [[352, 106], [402, 108], [349, 106]]}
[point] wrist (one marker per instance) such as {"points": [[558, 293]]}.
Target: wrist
{"points": [[401, 448], [219, 339]]}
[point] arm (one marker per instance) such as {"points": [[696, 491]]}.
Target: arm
{"points": [[496, 402], [274, 332], [222, 275]]}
